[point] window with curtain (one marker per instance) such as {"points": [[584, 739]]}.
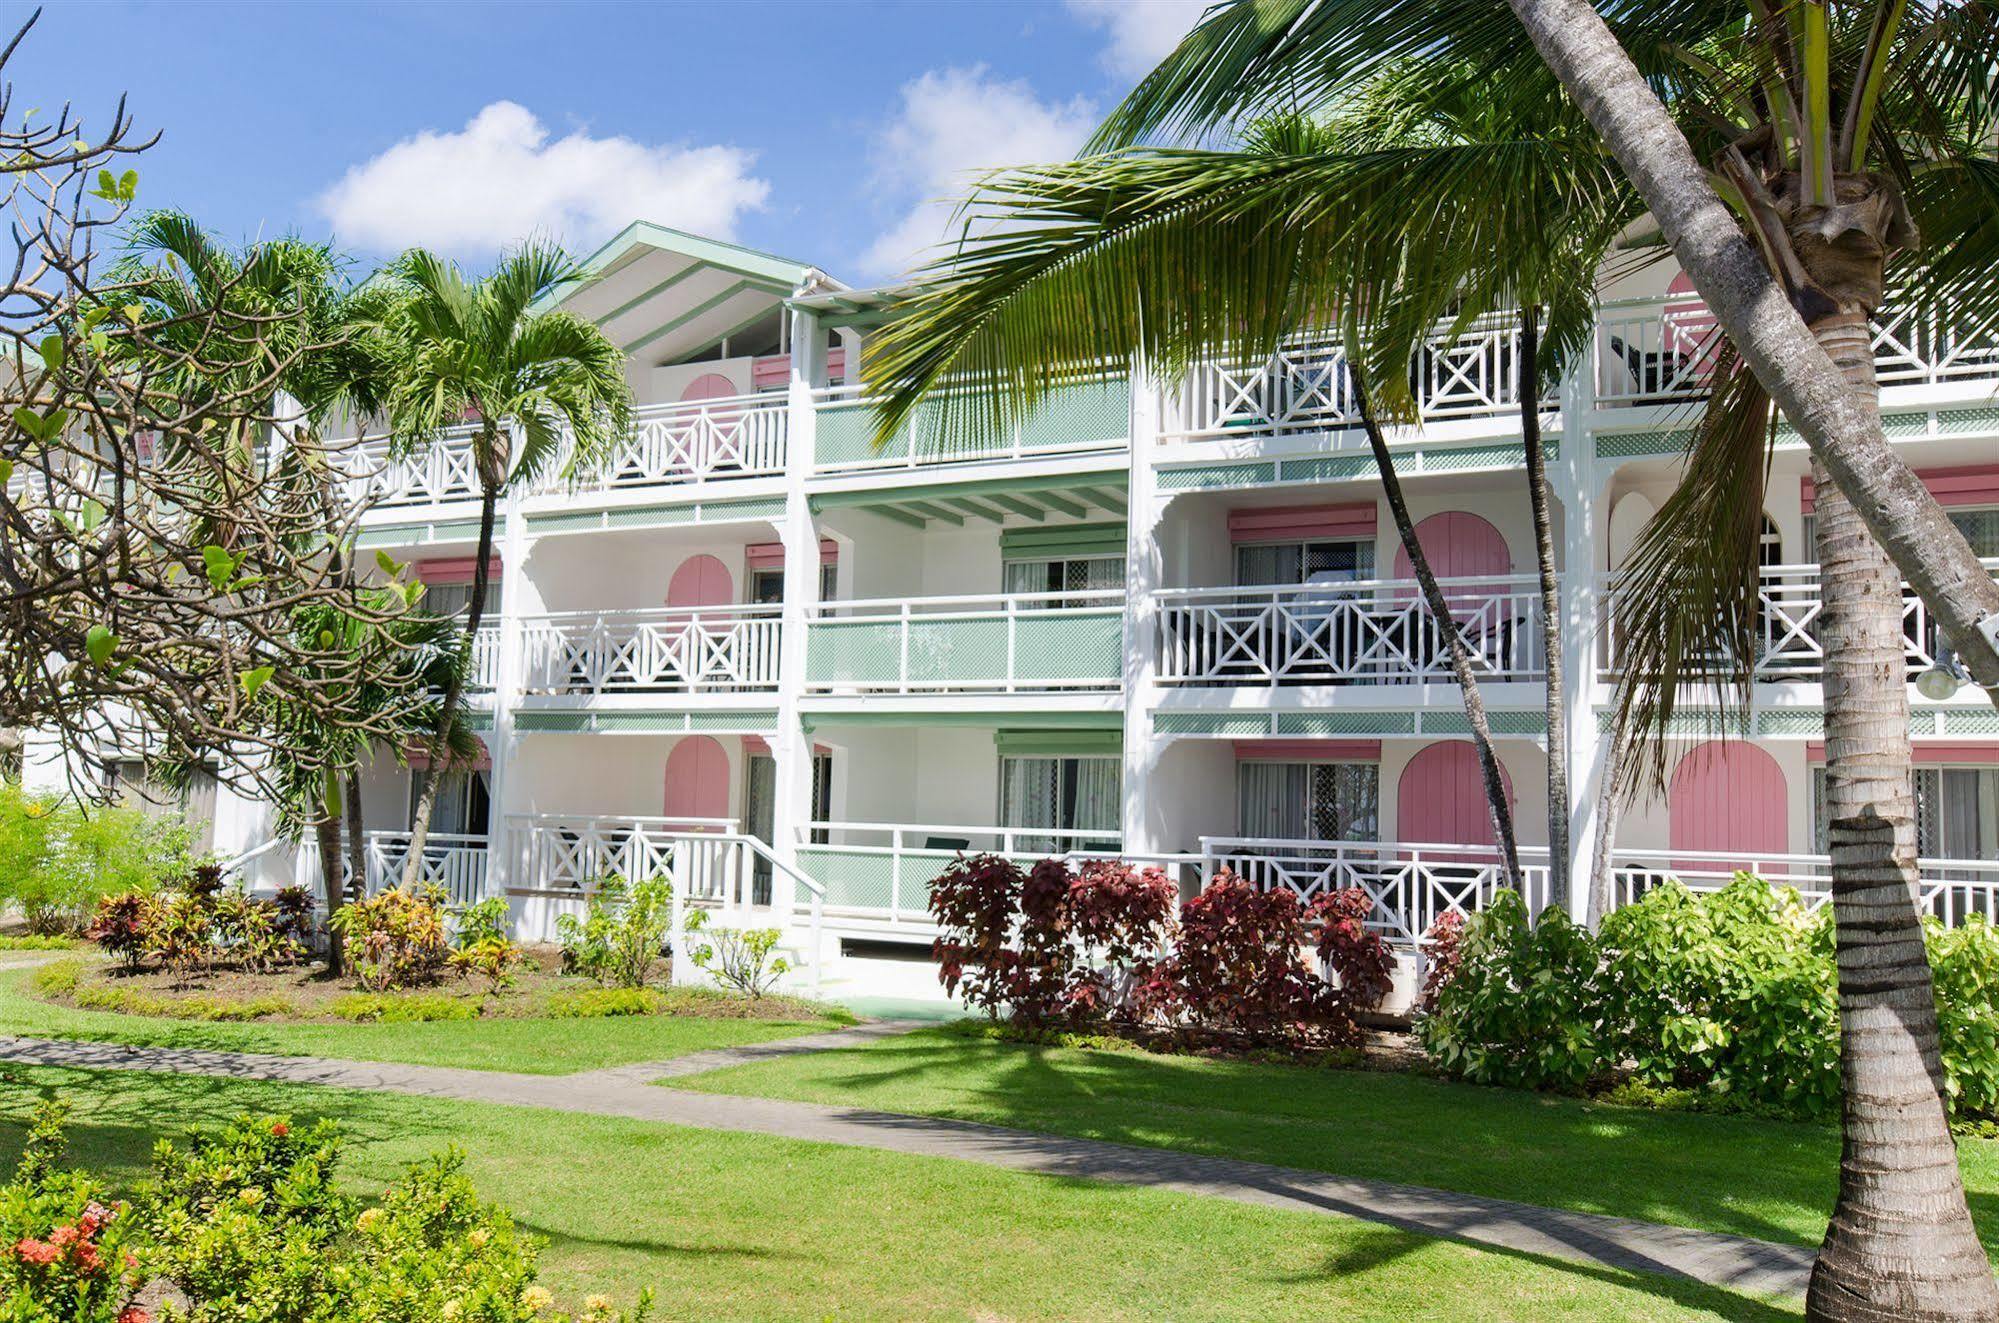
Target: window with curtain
{"points": [[1065, 795], [1957, 812], [463, 803], [1065, 574], [1263, 564], [135, 787], [1980, 529], [1309, 801]]}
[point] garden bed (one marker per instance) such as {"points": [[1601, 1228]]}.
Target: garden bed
{"points": [[305, 994]]}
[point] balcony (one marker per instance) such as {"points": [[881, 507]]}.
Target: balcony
{"points": [[443, 471], [1371, 632], [704, 650], [1079, 418], [453, 862], [1009, 643], [697, 441], [1788, 647], [1949, 889]]}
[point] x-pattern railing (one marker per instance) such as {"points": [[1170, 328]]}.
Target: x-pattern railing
{"points": [[1950, 889], [737, 437], [730, 649], [455, 862], [1375, 631], [444, 470]]}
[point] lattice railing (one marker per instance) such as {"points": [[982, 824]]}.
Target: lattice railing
{"points": [[740, 436], [1371, 632], [729, 649], [452, 861], [445, 470], [997, 643], [1950, 889]]}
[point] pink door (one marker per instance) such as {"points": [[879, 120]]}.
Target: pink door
{"points": [[709, 386], [1727, 795], [1440, 799], [697, 779], [1460, 545], [701, 581]]}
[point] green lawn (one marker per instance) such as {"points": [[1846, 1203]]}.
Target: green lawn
{"points": [[541, 1047], [1767, 1179], [748, 1227]]}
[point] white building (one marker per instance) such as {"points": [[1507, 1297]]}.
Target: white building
{"points": [[1093, 637]]}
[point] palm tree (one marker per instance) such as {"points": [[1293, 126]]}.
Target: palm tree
{"points": [[480, 349], [1403, 209], [1838, 137]]}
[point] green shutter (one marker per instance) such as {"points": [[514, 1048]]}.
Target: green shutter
{"points": [[1062, 541], [1059, 743]]}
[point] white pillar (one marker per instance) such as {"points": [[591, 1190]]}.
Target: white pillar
{"points": [[791, 747], [1575, 481], [501, 743], [1144, 575]]}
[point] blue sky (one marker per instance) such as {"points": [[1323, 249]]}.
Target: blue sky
{"points": [[821, 131]]}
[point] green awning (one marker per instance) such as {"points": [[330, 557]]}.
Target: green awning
{"points": [[1062, 540], [1059, 743]]}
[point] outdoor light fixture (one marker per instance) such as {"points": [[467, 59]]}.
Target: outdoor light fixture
{"points": [[1940, 681]]}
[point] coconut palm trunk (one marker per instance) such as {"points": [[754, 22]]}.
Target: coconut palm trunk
{"points": [[1496, 802], [1551, 606], [357, 834], [332, 870], [492, 471], [1901, 1244]]}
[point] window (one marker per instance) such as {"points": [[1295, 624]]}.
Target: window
{"points": [[1303, 563], [134, 787], [1309, 801], [767, 586], [1980, 529], [463, 803], [1081, 795], [1065, 574], [1957, 812]]}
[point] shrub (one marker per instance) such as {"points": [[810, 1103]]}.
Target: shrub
{"points": [[58, 978], [132, 1001], [59, 858], [492, 958], [1351, 954], [34, 942], [252, 933], [1521, 1009], [1122, 918], [182, 935], [395, 938], [123, 927], [488, 920], [1964, 962], [1442, 950], [739, 960], [292, 916], [975, 901], [598, 1003], [401, 1008], [72, 1254], [623, 929]]}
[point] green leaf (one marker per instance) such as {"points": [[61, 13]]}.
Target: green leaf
{"points": [[100, 643], [221, 566], [388, 564], [52, 353], [128, 185], [6, 471], [32, 423], [253, 680], [135, 313]]}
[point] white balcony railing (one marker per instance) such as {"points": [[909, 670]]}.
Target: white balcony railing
{"points": [[740, 436], [724, 649], [1412, 885], [454, 861], [1307, 387], [1787, 640], [444, 470], [1660, 349], [1950, 889], [1078, 417], [1369, 632], [995, 643]]}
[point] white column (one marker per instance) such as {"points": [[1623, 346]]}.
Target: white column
{"points": [[1575, 481], [501, 742], [791, 747], [1144, 575]]}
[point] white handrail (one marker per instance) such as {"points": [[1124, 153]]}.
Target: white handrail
{"points": [[1086, 599]]}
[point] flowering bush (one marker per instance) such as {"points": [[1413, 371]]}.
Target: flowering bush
{"points": [[395, 938], [123, 926], [68, 1245], [621, 934]]}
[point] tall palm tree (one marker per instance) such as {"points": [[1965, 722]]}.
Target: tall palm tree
{"points": [[1836, 137], [480, 349], [1403, 209]]}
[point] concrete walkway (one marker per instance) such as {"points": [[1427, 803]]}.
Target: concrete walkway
{"points": [[1732, 1262]]}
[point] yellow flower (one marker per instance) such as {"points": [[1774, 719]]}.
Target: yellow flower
{"points": [[479, 1238], [250, 1195], [535, 1299], [597, 1304], [453, 1308], [368, 1219]]}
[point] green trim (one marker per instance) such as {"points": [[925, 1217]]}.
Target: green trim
{"points": [[1054, 542], [651, 516], [713, 252], [692, 268], [402, 534], [876, 717], [993, 487], [1058, 743], [705, 306], [929, 511], [738, 329]]}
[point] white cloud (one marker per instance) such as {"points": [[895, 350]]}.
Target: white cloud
{"points": [[502, 178], [952, 126], [1139, 32]]}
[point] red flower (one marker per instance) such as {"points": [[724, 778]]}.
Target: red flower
{"points": [[134, 1314], [280, 1129], [36, 1251]]}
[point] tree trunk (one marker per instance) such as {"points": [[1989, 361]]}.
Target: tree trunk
{"points": [[1843, 431], [1901, 1244], [454, 690], [1609, 809], [1447, 625], [357, 836], [1551, 607], [332, 887]]}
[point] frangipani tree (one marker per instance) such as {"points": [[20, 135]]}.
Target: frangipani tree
{"points": [[483, 350]]}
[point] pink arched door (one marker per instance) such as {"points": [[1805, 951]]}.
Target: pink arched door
{"points": [[709, 386], [700, 581], [1727, 795], [697, 779], [1440, 799], [1460, 545]]}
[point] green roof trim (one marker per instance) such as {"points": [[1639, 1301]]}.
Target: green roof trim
{"points": [[1059, 743], [878, 717], [1113, 477], [1062, 540]]}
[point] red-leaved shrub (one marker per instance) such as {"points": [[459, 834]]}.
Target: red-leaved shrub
{"points": [[975, 901], [1122, 918], [1351, 953], [1240, 968], [1442, 952]]}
